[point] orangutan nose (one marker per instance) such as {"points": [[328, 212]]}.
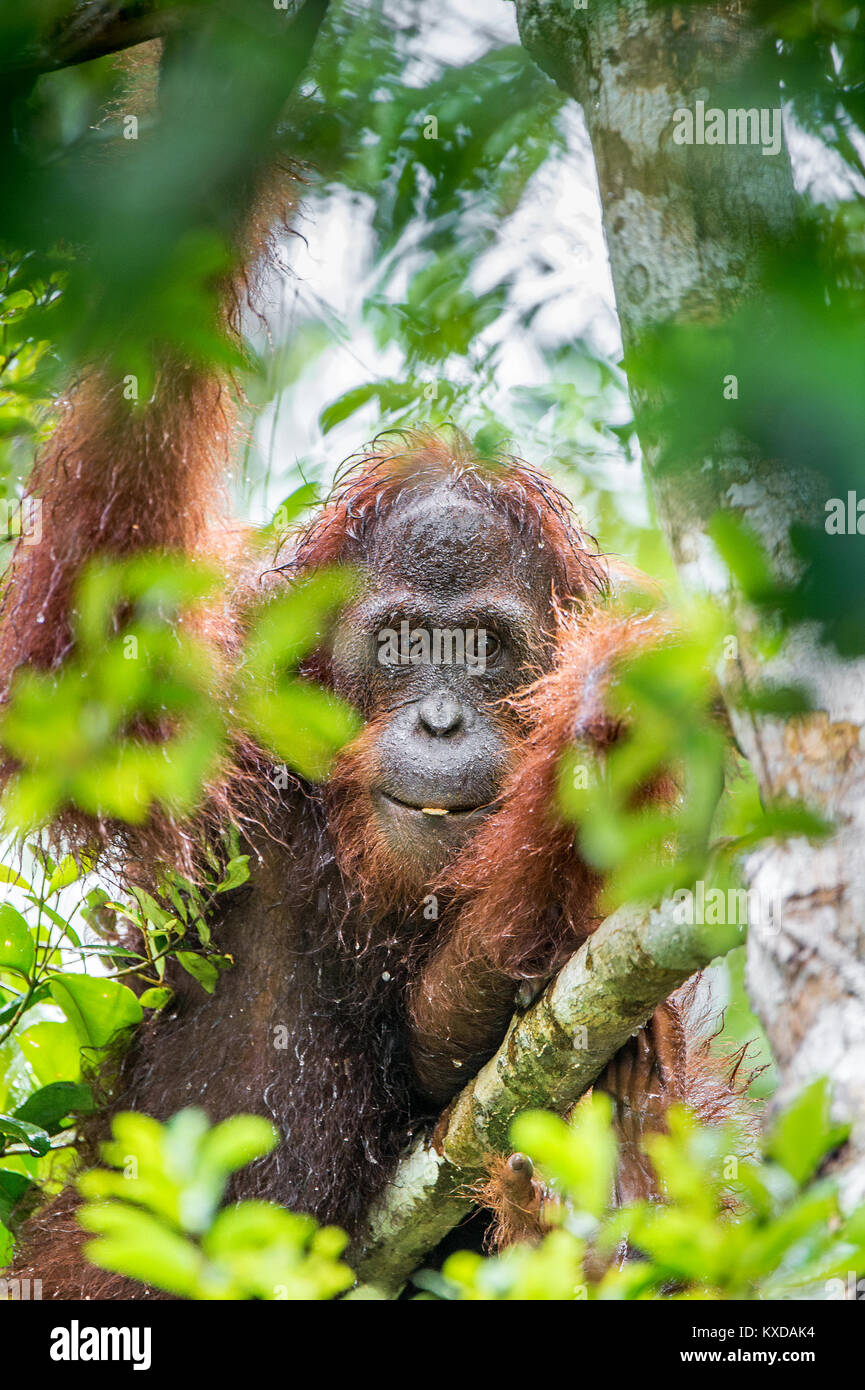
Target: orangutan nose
{"points": [[441, 714]]}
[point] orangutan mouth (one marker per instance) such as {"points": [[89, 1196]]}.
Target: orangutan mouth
{"points": [[453, 811]]}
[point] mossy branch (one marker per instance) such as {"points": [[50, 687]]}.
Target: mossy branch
{"points": [[550, 1056]]}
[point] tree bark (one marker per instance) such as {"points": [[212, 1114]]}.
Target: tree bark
{"points": [[684, 226], [91, 31]]}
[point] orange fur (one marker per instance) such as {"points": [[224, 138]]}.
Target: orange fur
{"points": [[521, 898], [118, 479]]}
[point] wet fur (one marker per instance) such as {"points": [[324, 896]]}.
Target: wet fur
{"points": [[329, 937]]}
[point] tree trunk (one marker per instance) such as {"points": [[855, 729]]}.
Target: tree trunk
{"points": [[684, 225]]}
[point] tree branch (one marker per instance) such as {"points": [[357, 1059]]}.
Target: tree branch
{"points": [[550, 1056], [95, 30], [92, 31]]}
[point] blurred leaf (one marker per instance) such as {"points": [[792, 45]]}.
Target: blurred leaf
{"points": [[580, 1155], [290, 625], [160, 1221], [236, 1142], [804, 1134], [139, 1245], [302, 723]]}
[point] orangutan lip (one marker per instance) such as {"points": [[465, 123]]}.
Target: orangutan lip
{"points": [[431, 810]]}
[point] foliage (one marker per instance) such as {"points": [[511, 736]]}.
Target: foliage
{"points": [[86, 735], [156, 1215], [433, 203], [666, 700], [83, 737], [66, 1005], [785, 1237]]}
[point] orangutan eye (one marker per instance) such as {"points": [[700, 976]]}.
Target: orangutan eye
{"points": [[487, 646]]}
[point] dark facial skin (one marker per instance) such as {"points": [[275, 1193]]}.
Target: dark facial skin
{"points": [[441, 561]]}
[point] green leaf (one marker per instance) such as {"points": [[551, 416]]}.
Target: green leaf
{"points": [[67, 871], [200, 968], [52, 1051], [781, 701], [12, 1189], [138, 1244], [112, 953], [9, 1010], [36, 1139], [238, 1141], [303, 723], [53, 1103], [156, 998], [742, 551], [804, 1133], [98, 1009], [346, 405], [237, 872], [17, 948], [151, 909], [8, 875], [298, 501], [292, 624], [580, 1155]]}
